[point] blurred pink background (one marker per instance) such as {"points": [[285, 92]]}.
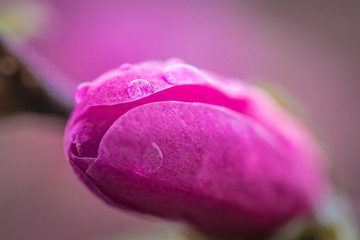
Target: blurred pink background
{"points": [[312, 48]]}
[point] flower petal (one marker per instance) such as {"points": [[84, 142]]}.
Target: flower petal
{"points": [[165, 158]]}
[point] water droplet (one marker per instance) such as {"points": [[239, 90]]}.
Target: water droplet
{"points": [[81, 91], [172, 61], [183, 74], [152, 159], [157, 148], [139, 88], [125, 66]]}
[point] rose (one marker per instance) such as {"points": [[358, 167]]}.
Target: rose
{"points": [[167, 139]]}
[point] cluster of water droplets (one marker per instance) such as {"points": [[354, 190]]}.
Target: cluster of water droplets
{"points": [[176, 73]]}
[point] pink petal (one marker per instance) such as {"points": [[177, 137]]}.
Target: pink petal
{"points": [[166, 158]]}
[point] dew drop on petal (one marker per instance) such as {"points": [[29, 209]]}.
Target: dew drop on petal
{"points": [[152, 159], [139, 88], [125, 66], [172, 61], [81, 91], [183, 74]]}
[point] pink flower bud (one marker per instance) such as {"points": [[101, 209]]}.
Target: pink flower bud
{"points": [[167, 139]]}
